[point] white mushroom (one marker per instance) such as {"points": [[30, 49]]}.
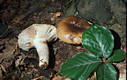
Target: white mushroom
{"points": [[37, 35]]}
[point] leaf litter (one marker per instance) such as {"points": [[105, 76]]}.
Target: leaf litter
{"points": [[16, 64]]}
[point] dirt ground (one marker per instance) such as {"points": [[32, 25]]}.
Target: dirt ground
{"points": [[17, 64]]}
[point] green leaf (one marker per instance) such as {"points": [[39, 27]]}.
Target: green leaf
{"points": [[106, 71], [80, 66], [26, 77], [117, 56], [98, 40]]}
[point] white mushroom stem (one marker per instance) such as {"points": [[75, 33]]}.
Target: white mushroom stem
{"points": [[37, 35], [43, 51]]}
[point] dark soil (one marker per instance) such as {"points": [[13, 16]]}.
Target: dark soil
{"points": [[17, 64]]}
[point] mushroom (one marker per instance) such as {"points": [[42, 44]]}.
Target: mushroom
{"points": [[37, 35], [70, 29]]}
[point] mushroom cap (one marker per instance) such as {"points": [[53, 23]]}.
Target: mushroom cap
{"points": [[44, 32], [70, 29]]}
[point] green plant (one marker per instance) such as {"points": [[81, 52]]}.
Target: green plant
{"points": [[100, 43]]}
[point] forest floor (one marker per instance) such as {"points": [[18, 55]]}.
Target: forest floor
{"points": [[16, 64]]}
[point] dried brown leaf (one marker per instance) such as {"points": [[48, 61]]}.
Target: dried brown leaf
{"points": [[10, 47]]}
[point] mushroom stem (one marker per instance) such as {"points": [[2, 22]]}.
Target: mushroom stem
{"points": [[38, 35], [43, 51]]}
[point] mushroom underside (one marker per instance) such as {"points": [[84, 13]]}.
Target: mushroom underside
{"points": [[38, 35]]}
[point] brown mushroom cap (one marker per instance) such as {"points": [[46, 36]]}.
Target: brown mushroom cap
{"points": [[70, 29]]}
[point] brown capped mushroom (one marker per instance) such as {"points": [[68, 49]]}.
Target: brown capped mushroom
{"points": [[70, 29], [37, 35]]}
